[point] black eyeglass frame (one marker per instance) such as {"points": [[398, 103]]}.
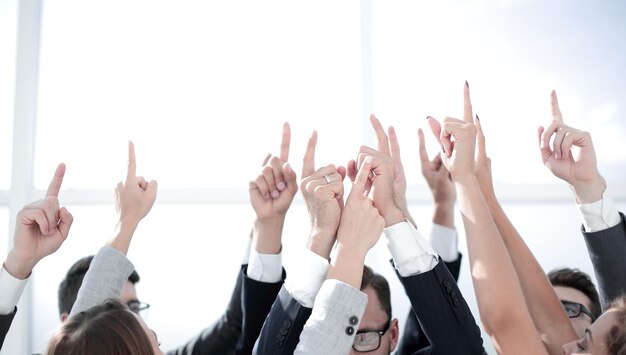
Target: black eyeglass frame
{"points": [[579, 308], [137, 307], [380, 334]]}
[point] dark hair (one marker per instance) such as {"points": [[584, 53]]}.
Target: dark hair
{"points": [[380, 286], [580, 281], [68, 289], [106, 329], [616, 339]]}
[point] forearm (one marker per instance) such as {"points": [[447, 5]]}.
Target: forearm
{"points": [[123, 235], [347, 267], [543, 304], [266, 235]]}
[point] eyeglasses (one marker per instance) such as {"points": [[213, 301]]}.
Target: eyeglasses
{"points": [[139, 308], [369, 340], [574, 310]]}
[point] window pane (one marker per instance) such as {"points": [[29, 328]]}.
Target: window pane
{"points": [[513, 55], [8, 34], [201, 87]]}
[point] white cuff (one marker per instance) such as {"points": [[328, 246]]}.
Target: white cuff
{"points": [[410, 251], [10, 291], [306, 279], [265, 267], [445, 242], [599, 215]]}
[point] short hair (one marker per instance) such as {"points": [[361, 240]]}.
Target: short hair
{"points": [[380, 286], [68, 289], [580, 281], [106, 329], [616, 339]]}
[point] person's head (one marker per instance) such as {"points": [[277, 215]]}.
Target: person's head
{"points": [[376, 323], [578, 295], [607, 335], [68, 289], [106, 329]]}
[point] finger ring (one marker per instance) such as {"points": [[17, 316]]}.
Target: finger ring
{"points": [[328, 181]]}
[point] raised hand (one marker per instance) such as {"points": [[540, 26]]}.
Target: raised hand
{"points": [[323, 193], [134, 197], [572, 157], [436, 175], [273, 190], [457, 139], [41, 228]]}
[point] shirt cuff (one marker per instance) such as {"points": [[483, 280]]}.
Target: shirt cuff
{"points": [[10, 291], [599, 215], [445, 242], [410, 251], [307, 277], [265, 267]]}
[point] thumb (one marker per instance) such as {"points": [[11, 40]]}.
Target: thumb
{"points": [[65, 222], [358, 187], [290, 177]]}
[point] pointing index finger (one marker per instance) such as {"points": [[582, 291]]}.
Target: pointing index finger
{"points": [[383, 141], [467, 105], [57, 180], [284, 145], [132, 163], [556, 111], [422, 148], [308, 162]]}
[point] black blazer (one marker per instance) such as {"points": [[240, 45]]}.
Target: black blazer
{"points": [[413, 338], [435, 298], [5, 325], [220, 337], [607, 250]]}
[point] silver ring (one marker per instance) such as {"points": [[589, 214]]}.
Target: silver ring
{"points": [[328, 180]]}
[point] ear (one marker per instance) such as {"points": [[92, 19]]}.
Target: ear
{"points": [[64, 316], [394, 333]]}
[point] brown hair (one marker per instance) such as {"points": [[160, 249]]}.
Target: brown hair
{"points": [[380, 286], [616, 339], [578, 280], [106, 329]]}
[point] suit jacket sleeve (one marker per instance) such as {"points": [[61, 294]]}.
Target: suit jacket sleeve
{"points": [[282, 328], [221, 337], [334, 320], [257, 298], [413, 337], [5, 325], [607, 250], [105, 279], [443, 313]]}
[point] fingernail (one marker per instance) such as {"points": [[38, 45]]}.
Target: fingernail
{"points": [[466, 84], [477, 118], [280, 186], [428, 117], [443, 149], [275, 194], [368, 159]]}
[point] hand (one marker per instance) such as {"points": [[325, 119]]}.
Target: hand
{"points": [[135, 197], [437, 176], [572, 157], [41, 228], [324, 200], [457, 139], [273, 190], [361, 224]]}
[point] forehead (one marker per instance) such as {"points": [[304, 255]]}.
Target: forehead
{"points": [[572, 295], [374, 317]]}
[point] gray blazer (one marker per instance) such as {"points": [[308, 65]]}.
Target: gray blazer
{"points": [[105, 279], [607, 250], [334, 320]]}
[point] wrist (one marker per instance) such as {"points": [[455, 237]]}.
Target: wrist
{"points": [[266, 235], [20, 269], [444, 214], [321, 243], [589, 192], [392, 216]]}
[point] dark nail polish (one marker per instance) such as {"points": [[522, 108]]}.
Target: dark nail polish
{"points": [[478, 118], [466, 84], [428, 117]]}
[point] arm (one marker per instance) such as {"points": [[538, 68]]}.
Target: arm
{"points": [[545, 308], [110, 268], [41, 227], [503, 310], [340, 304], [572, 158]]}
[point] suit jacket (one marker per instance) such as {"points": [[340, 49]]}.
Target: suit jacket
{"points": [[220, 337], [5, 325], [607, 250], [256, 298], [413, 337], [435, 298]]}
